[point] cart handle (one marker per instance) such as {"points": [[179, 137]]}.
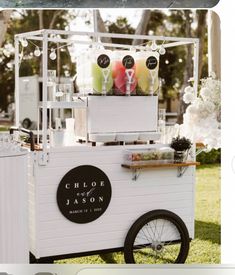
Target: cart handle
{"points": [[23, 130]]}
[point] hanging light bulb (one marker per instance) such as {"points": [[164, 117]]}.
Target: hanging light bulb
{"points": [[37, 51], [52, 54], [133, 49], [154, 46], [162, 50], [24, 42], [99, 45]]}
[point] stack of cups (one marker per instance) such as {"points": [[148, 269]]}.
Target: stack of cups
{"points": [[70, 138]]}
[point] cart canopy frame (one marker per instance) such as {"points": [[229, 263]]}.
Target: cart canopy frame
{"points": [[74, 37]]}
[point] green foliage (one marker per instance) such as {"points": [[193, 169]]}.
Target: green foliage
{"points": [[24, 21], [181, 144], [120, 26], [162, 23], [214, 156], [173, 63]]}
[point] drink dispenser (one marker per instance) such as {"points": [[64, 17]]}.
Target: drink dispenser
{"points": [[101, 71], [124, 74], [147, 66]]}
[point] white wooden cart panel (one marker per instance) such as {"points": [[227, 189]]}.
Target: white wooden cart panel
{"points": [[14, 245], [52, 234]]}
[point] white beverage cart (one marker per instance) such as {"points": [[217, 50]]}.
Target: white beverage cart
{"points": [[85, 199]]}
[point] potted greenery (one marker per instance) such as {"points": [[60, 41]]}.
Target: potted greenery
{"points": [[181, 145]]}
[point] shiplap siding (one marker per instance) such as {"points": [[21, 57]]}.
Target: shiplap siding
{"points": [[52, 234], [14, 244]]}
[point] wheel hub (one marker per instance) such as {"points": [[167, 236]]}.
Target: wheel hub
{"points": [[157, 246]]}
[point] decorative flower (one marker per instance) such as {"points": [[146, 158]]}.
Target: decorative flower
{"points": [[210, 106], [188, 97], [192, 109], [202, 116], [189, 89], [213, 75], [205, 93]]}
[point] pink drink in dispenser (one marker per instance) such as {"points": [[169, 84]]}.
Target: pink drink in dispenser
{"points": [[125, 81], [101, 71], [147, 66]]}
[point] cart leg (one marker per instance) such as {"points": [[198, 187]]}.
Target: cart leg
{"points": [[46, 261], [32, 259]]}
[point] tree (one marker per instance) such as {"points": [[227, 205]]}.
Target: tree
{"points": [[23, 21], [201, 33], [188, 67], [142, 26], [5, 16], [214, 51], [101, 26]]}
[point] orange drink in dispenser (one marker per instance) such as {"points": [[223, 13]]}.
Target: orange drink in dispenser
{"points": [[147, 66]]}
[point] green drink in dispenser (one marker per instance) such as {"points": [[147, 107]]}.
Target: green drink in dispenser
{"points": [[101, 71], [124, 73], [147, 66]]}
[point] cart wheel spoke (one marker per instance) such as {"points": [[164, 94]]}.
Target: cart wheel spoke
{"points": [[159, 236]]}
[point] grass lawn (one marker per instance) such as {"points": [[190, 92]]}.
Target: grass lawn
{"points": [[205, 248], [3, 128]]}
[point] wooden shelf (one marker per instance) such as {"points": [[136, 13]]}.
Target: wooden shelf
{"points": [[159, 165], [181, 167]]}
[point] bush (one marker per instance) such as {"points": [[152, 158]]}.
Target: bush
{"points": [[214, 156]]}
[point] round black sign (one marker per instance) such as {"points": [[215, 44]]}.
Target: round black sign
{"points": [[151, 62], [103, 61], [84, 194], [128, 61]]}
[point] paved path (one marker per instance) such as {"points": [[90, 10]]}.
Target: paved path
{"points": [[108, 3]]}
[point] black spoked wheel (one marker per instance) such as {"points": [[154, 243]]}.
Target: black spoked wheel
{"points": [[157, 237]]}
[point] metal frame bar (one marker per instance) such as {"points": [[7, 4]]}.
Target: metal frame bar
{"points": [[44, 90], [46, 36], [107, 35], [113, 45], [17, 88]]}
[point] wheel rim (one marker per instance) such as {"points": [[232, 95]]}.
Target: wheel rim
{"points": [[157, 241]]}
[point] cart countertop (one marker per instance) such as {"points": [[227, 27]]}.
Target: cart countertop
{"points": [[88, 147]]}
